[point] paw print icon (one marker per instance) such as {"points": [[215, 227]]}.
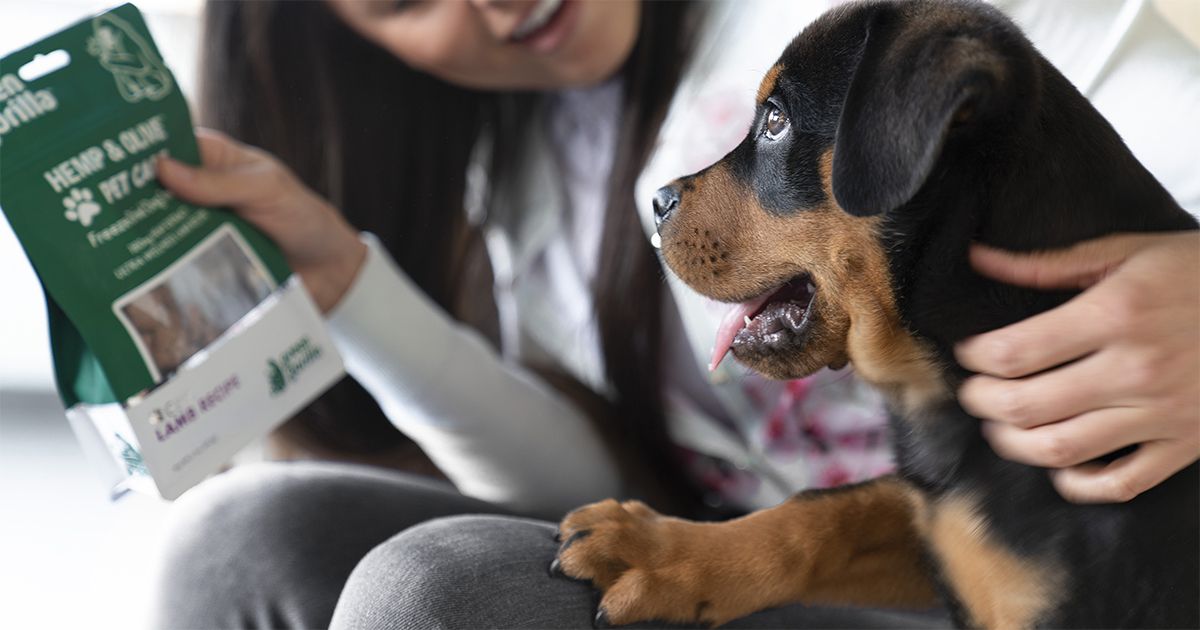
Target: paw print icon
{"points": [[81, 206]]}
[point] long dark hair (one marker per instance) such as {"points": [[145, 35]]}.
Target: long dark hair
{"points": [[390, 146]]}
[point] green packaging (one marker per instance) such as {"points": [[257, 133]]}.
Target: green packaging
{"points": [[159, 310]]}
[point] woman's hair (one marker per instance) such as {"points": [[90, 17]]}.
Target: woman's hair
{"points": [[390, 147]]}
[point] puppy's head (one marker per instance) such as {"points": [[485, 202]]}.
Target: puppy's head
{"points": [[850, 124]]}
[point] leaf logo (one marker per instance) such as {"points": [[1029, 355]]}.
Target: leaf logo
{"points": [[275, 377]]}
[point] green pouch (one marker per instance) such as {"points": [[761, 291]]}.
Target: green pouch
{"points": [[178, 332]]}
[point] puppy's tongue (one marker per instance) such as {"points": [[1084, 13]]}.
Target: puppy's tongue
{"points": [[731, 325]]}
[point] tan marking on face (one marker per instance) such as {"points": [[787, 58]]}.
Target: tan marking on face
{"points": [[883, 351], [998, 588], [725, 245], [768, 83]]}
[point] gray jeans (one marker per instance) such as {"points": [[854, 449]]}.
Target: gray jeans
{"points": [[314, 545]]}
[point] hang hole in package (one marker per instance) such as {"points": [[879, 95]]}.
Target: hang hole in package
{"points": [[178, 333]]}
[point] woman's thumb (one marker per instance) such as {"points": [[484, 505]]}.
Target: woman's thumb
{"points": [[1076, 267], [240, 185]]}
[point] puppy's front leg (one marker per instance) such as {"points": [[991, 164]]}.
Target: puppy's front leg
{"points": [[850, 546]]}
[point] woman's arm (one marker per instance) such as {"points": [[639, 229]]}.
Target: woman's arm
{"points": [[495, 430]]}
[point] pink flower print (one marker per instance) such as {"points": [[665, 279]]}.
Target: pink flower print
{"points": [[857, 441], [834, 475], [799, 388], [789, 425], [816, 426]]}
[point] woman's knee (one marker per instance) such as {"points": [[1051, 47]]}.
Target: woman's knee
{"points": [[246, 510], [261, 543], [464, 571], [219, 548]]}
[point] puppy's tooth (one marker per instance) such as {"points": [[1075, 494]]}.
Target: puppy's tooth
{"points": [[793, 316], [746, 318], [810, 288]]}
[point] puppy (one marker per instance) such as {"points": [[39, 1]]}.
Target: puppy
{"points": [[888, 137]]}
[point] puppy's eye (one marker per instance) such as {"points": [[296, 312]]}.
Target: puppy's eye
{"points": [[776, 124]]}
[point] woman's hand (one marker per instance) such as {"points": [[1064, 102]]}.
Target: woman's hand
{"points": [[1117, 365], [318, 243]]}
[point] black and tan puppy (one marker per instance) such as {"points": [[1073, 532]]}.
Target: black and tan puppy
{"points": [[888, 137]]}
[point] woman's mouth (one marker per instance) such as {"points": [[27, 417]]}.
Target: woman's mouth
{"points": [[778, 315], [546, 25]]}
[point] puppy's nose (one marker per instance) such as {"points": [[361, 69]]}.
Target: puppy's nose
{"points": [[665, 202]]}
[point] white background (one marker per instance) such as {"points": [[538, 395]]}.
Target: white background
{"points": [[68, 557]]}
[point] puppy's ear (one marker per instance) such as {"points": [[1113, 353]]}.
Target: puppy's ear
{"points": [[907, 92]]}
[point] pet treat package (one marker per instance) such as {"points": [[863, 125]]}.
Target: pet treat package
{"points": [[179, 335]]}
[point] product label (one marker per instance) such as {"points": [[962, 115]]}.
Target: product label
{"points": [[78, 186], [144, 291]]}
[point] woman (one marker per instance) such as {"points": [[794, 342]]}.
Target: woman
{"points": [[498, 432]]}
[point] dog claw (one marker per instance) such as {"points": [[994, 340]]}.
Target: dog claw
{"points": [[574, 538], [601, 620], [556, 568]]}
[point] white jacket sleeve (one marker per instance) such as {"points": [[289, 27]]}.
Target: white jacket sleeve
{"points": [[498, 432]]}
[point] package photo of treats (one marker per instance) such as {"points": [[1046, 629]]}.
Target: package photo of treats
{"points": [[178, 332]]}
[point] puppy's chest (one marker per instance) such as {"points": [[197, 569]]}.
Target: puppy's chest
{"points": [[995, 580], [992, 585], [934, 444]]}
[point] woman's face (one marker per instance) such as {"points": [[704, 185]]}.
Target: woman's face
{"points": [[502, 44]]}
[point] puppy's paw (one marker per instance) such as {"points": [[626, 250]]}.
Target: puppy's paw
{"points": [[648, 566]]}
